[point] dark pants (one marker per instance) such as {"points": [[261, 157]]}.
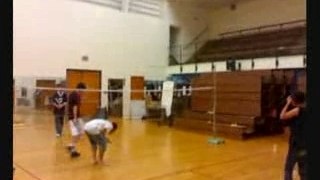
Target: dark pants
{"points": [[59, 121], [296, 155]]}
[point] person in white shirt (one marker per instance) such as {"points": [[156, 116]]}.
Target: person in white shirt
{"points": [[96, 130]]}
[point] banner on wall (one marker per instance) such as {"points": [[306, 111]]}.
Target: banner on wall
{"points": [[167, 96]]}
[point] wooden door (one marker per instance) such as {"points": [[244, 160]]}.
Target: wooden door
{"points": [[90, 100], [42, 99], [137, 83]]}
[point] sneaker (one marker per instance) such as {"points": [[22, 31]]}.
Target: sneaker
{"points": [[58, 135], [74, 154]]}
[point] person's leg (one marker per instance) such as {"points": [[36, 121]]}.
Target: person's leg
{"points": [[73, 132], [72, 146], [94, 154], [77, 130], [302, 164], [59, 124], [79, 125], [290, 162], [56, 123], [102, 147], [93, 143], [61, 121], [75, 138]]}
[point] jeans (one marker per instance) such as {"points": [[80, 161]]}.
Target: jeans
{"points": [[296, 155], [59, 121]]}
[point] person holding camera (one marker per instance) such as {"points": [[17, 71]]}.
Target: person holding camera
{"points": [[293, 115]]}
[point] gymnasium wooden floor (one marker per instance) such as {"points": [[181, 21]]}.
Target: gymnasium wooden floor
{"points": [[141, 150]]}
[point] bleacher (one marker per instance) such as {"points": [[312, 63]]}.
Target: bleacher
{"points": [[245, 102], [245, 44]]}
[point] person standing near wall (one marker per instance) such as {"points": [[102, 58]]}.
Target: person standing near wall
{"points": [[59, 101]]}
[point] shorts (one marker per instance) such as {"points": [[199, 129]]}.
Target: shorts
{"points": [[98, 140], [76, 128]]}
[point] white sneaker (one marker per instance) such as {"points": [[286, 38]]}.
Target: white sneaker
{"points": [[58, 135]]}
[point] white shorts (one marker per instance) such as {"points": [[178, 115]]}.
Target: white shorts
{"points": [[76, 127]]}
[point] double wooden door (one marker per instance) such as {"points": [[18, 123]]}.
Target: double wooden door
{"points": [[91, 97]]}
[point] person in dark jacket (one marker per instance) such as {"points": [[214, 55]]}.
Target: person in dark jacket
{"points": [[59, 102]]}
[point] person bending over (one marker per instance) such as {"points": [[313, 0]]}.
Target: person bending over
{"points": [[96, 130]]}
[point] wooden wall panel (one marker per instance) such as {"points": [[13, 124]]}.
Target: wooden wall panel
{"points": [[236, 107], [232, 89], [238, 93], [201, 104], [245, 96], [242, 120]]}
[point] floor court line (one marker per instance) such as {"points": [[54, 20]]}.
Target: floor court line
{"points": [[17, 166]]}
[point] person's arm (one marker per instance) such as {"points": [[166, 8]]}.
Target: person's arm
{"points": [[287, 115], [55, 105], [63, 104], [59, 106], [54, 102], [104, 132], [75, 112], [75, 107], [64, 101]]}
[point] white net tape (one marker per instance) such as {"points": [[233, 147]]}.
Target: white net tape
{"points": [[190, 89]]}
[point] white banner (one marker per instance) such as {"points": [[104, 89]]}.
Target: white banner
{"points": [[167, 96]]}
